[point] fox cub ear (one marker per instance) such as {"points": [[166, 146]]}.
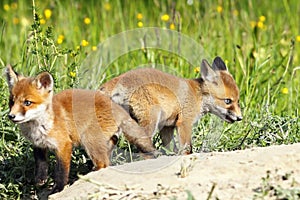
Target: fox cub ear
{"points": [[44, 82], [218, 64], [12, 77], [207, 73]]}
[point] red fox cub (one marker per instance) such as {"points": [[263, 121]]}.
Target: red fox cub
{"points": [[71, 117], [160, 101]]}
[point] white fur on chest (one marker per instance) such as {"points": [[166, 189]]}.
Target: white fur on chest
{"points": [[37, 132], [202, 110]]}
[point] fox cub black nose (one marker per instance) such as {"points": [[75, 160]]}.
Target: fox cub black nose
{"points": [[11, 116], [239, 118]]}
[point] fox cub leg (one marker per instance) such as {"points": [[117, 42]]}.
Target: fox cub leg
{"points": [[136, 135], [104, 151], [167, 135], [63, 157], [184, 131], [41, 165], [99, 148], [149, 119]]}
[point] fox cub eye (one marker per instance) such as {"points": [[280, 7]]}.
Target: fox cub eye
{"points": [[27, 103], [228, 101]]}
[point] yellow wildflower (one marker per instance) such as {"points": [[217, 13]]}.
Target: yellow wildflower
{"points": [[252, 24], [77, 47], [140, 24], [255, 54], [14, 6], [262, 18], [172, 26], [235, 12], [226, 62], [60, 39], [298, 38], [24, 22], [94, 48], [165, 17], [6, 7], [16, 20], [219, 9], [139, 16], [260, 25], [84, 43], [61, 36], [87, 20], [285, 90], [107, 6], [73, 74], [42, 21], [197, 69], [47, 13]]}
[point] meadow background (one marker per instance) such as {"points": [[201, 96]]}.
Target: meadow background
{"points": [[259, 41]]}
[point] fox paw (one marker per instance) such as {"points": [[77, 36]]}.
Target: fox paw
{"points": [[41, 175], [56, 188], [151, 155], [40, 181], [186, 150]]}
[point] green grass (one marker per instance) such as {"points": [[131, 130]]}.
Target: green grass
{"points": [[262, 55]]}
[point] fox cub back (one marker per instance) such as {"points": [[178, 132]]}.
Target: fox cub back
{"points": [[71, 117], [160, 101]]}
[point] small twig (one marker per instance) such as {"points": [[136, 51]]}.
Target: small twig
{"points": [[244, 138], [211, 191], [186, 167]]}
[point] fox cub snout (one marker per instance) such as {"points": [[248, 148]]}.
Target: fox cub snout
{"points": [[163, 102], [71, 117]]}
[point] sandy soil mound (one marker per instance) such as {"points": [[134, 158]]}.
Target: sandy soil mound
{"points": [[229, 175]]}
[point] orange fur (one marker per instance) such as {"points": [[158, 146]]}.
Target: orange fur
{"points": [[160, 101], [71, 117]]}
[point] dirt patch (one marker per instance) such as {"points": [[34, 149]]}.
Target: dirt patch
{"points": [[229, 175]]}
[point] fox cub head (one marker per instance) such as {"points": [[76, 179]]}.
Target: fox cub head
{"points": [[29, 97], [222, 91]]}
